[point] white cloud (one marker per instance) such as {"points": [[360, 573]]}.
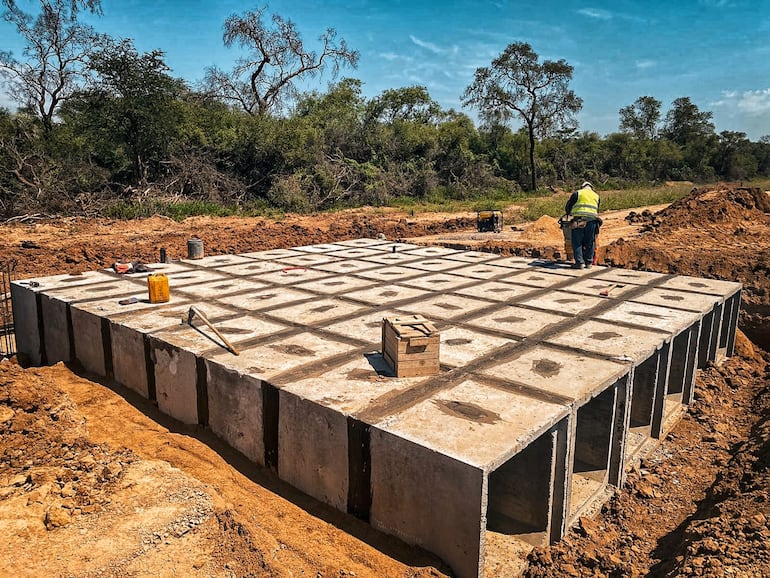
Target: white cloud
{"points": [[426, 45], [595, 13], [755, 102], [642, 64]]}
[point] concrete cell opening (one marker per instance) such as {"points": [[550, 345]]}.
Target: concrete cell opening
{"points": [[593, 446], [520, 491]]}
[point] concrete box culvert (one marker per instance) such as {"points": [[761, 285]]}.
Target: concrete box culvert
{"points": [[547, 391]]}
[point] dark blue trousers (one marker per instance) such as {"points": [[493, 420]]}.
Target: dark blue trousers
{"points": [[583, 242]]}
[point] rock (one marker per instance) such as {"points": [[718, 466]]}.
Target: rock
{"points": [[588, 527], [56, 517], [20, 480]]}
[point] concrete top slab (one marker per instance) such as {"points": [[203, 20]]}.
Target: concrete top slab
{"points": [[698, 285], [486, 270], [535, 278], [432, 251], [434, 264], [218, 260], [496, 291], [447, 306], [460, 345], [268, 360], [567, 374], [108, 287], [347, 266], [253, 267], [111, 306], [672, 321], [392, 258], [320, 310], [472, 256], [437, 282], [594, 287], [366, 327], [66, 280], [385, 295], [517, 321], [391, 274], [293, 274], [321, 248], [513, 262], [475, 423], [559, 268], [363, 242], [354, 386], [356, 252], [182, 279], [564, 302], [311, 259], [621, 343], [629, 276], [335, 285], [699, 302], [168, 316], [266, 299], [225, 286], [273, 254], [199, 338]]}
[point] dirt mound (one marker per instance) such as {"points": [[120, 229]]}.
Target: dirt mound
{"points": [[545, 230], [727, 205]]}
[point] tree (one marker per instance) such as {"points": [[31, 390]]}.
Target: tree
{"points": [[132, 105], [685, 123], [412, 104], [517, 84], [56, 52], [276, 58], [641, 118]]}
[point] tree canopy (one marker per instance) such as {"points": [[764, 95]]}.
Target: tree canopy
{"points": [[265, 77], [517, 84]]}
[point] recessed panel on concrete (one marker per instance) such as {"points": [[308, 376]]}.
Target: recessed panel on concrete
{"points": [[267, 299], [384, 295], [496, 291], [566, 374], [442, 307], [471, 256], [335, 285], [346, 266], [482, 271], [517, 321], [564, 302], [438, 282], [366, 328]]}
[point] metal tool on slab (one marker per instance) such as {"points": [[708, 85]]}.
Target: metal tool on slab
{"points": [[193, 312], [606, 292]]}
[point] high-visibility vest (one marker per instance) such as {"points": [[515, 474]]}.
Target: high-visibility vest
{"points": [[587, 204]]}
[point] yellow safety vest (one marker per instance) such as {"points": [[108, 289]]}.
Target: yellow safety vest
{"points": [[587, 204]]}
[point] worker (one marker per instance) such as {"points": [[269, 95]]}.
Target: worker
{"points": [[583, 206]]}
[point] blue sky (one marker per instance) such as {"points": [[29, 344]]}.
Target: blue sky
{"points": [[717, 52]]}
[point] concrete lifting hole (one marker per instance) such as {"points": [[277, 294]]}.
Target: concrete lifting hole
{"points": [[547, 391]]}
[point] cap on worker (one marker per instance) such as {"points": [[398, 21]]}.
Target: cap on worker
{"points": [[586, 184]]}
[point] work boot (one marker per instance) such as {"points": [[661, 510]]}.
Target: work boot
{"points": [[589, 265], [577, 265]]}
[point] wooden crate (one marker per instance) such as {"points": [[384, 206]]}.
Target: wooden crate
{"points": [[410, 345]]}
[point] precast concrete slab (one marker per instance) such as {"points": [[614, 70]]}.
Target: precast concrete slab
{"points": [[496, 291], [546, 392]]}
